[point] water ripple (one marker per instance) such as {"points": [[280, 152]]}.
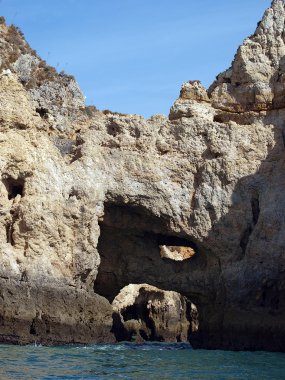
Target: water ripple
{"points": [[137, 361]]}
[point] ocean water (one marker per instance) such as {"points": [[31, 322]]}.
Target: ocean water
{"points": [[131, 361]]}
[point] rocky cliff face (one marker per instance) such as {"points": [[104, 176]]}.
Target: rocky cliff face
{"points": [[90, 201]]}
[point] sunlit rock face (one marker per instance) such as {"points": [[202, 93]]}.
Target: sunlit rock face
{"points": [[176, 253], [255, 81], [88, 198]]}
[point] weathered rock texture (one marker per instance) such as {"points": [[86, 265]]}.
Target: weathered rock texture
{"points": [[147, 313], [88, 197], [176, 253]]}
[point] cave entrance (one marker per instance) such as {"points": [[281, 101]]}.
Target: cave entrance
{"points": [[14, 187], [130, 249]]}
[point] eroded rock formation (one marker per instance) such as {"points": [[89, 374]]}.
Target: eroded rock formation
{"points": [[88, 197], [176, 253], [146, 313]]}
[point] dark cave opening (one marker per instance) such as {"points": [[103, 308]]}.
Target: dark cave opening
{"points": [[43, 112], [9, 233], [129, 247], [14, 187]]}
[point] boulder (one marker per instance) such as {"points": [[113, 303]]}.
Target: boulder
{"points": [[144, 312]]}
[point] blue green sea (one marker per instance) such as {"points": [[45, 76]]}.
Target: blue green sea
{"points": [[132, 361]]}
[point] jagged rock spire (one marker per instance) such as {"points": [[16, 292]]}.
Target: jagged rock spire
{"points": [[256, 79], [276, 3], [272, 22]]}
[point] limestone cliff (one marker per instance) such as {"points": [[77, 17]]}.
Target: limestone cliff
{"points": [[89, 199]]}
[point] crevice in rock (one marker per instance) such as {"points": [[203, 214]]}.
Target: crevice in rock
{"points": [[33, 327], [43, 112], [141, 312], [209, 155], [245, 239], [196, 184], [218, 119], [9, 238], [24, 276], [255, 208], [84, 275], [10, 227], [74, 193], [20, 126], [113, 128], [76, 153], [14, 187], [15, 190]]}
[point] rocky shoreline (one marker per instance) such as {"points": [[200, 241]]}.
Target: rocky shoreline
{"points": [[184, 213]]}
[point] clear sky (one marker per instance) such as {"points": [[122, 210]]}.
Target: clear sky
{"points": [[132, 56]]}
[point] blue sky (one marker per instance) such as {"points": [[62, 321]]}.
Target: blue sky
{"points": [[132, 56]]}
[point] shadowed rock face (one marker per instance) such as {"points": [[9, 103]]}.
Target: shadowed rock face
{"points": [[88, 197]]}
